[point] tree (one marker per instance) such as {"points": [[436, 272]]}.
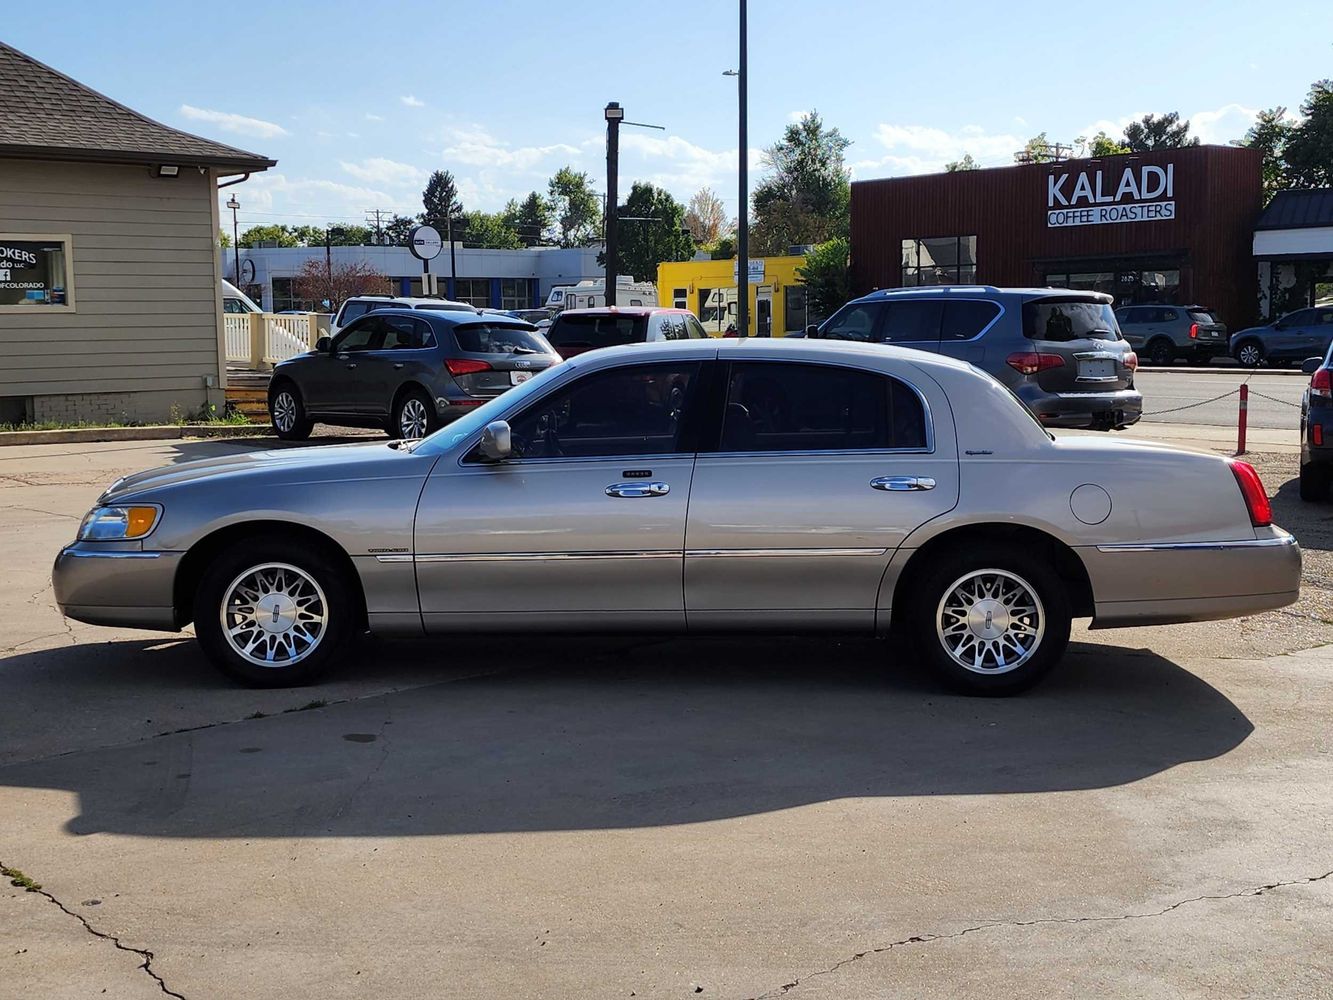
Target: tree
{"points": [[440, 200], [827, 276], [705, 216], [806, 197], [642, 245], [574, 207], [531, 219], [966, 163], [1271, 134], [489, 231], [318, 283], [1309, 150], [1100, 144], [279, 235], [1158, 132], [398, 229], [1040, 149], [724, 248], [224, 239], [346, 236]]}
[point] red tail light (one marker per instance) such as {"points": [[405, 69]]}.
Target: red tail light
{"points": [[1252, 489], [1321, 383], [1194, 331], [1030, 363], [463, 366], [1132, 361]]}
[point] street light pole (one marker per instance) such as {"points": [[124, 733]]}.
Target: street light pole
{"points": [[743, 224], [233, 204], [614, 115]]}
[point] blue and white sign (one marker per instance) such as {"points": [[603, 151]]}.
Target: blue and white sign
{"points": [[1096, 197]]}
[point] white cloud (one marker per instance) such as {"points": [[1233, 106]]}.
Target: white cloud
{"points": [[796, 116], [230, 122], [275, 197], [378, 170], [412, 102], [374, 118], [920, 149], [1220, 126], [682, 167], [474, 146]]}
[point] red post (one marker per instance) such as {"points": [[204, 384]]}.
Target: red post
{"points": [[1242, 417]]}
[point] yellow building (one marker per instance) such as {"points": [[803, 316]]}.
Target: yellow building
{"points": [[708, 289]]}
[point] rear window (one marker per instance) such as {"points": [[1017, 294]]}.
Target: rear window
{"points": [[1199, 316], [354, 310], [597, 331], [1064, 319], [498, 338]]}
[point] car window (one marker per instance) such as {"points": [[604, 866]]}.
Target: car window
{"points": [[1303, 317], [403, 333], [694, 329], [365, 334], [1199, 316], [230, 305], [910, 322], [593, 331], [854, 321], [498, 338], [1062, 319], [353, 310], [1325, 316], [388, 305], [965, 318], [673, 327], [628, 411], [779, 406]]}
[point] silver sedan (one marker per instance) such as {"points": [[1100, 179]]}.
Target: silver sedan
{"points": [[693, 486]]}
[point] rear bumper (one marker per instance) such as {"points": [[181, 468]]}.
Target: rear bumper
{"points": [[1085, 409], [1322, 453], [1160, 583], [129, 588]]}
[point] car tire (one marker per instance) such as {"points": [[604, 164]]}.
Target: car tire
{"points": [[971, 653], [286, 410], [298, 603], [414, 416], [1315, 482], [1250, 354], [1162, 352]]}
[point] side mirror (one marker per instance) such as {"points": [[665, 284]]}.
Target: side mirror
{"points": [[496, 442], [324, 345], [1311, 365], [812, 330]]}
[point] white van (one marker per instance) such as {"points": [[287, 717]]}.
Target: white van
{"points": [[236, 301], [591, 293]]}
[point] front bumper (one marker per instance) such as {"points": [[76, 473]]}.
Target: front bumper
{"points": [[1085, 409], [109, 583]]}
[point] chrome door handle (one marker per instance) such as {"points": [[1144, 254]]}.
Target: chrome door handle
{"points": [[901, 484], [634, 490], [398, 366], [351, 366]]}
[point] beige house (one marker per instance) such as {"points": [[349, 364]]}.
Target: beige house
{"points": [[110, 305]]}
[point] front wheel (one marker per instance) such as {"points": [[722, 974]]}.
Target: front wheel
{"points": [[287, 411], [1250, 354], [990, 619], [1161, 352]]}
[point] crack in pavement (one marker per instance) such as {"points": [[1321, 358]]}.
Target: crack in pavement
{"points": [[1259, 890], [144, 953]]}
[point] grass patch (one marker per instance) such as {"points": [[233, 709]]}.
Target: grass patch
{"points": [[19, 880]]}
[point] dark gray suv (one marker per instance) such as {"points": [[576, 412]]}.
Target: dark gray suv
{"points": [[1060, 351], [408, 371]]}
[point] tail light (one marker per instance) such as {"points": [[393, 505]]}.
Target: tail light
{"points": [[1031, 363], [1252, 489], [464, 366], [1321, 383], [1194, 331], [1132, 361]]}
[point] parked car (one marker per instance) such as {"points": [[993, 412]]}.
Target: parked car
{"points": [[1293, 338], [359, 305], [407, 370], [1061, 352], [540, 318], [574, 331], [1317, 428], [798, 486], [236, 301], [1161, 334]]}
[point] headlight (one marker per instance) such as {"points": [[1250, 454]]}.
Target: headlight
{"points": [[111, 524]]}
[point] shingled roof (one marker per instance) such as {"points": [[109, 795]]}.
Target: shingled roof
{"points": [[1298, 210], [46, 115]]}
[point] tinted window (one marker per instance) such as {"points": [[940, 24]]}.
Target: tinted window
{"points": [[403, 333], [1303, 318], [1068, 319], [1324, 316], [673, 326], [854, 321], [448, 307], [964, 318], [363, 335], [353, 310], [775, 406], [1198, 316], [233, 306], [626, 411], [498, 338], [592, 331], [694, 329], [910, 322], [1128, 317]]}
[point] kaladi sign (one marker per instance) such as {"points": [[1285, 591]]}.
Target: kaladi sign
{"points": [[1097, 197]]}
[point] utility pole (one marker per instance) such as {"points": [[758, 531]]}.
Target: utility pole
{"points": [[233, 204], [743, 224], [377, 222], [615, 114]]}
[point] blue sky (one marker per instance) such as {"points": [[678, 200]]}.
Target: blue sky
{"points": [[359, 101]]}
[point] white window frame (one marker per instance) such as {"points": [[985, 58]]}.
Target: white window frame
{"points": [[68, 306]]}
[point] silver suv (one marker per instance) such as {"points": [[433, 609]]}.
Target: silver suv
{"points": [[1060, 351], [1161, 334], [358, 305]]}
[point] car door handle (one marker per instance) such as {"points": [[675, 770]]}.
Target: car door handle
{"points": [[398, 366], [901, 484], [630, 491], [351, 366]]}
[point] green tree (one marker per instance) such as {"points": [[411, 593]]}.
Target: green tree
{"points": [[966, 163], [1040, 149], [642, 245], [1158, 132], [348, 236], [398, 229], [1271, 133], [806, 197], [280, 235], [1309, 151], [827, 276], [1100, 144], [224, 239], [531, 218], [440, 200], [489, 231], [724, 248], [575, 208]]}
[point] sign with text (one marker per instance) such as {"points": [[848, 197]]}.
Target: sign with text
{"points": [[1099, 197], [31, 272], [756, 271]]}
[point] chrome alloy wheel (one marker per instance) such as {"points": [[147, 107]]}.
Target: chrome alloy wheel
{"points": [[274, 615], [412, 421], [284, 411], [1250, 355], [990, 621]]}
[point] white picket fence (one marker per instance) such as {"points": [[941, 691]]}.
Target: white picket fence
{"points": [[236, 336], [261, 340]]}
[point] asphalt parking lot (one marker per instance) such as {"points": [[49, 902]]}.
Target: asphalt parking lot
{"points": [[734, 818]]}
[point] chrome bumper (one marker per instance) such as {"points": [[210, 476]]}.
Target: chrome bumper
{"points": [[105, 584]]}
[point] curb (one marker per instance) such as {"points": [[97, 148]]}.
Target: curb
{"points": [[88, 435]]}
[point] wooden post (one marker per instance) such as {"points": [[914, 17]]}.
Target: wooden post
{"points": [[256, 341], [312, 332]]}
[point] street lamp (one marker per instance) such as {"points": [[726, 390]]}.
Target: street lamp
{"points": [[614, 115], [234, 205], [743, 223]]}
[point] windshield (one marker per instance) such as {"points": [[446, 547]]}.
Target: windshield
{"points": [[1063, 319], [464, 427], [597, 330], [499, 338]]}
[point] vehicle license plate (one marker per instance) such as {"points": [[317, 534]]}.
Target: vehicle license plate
{"points": [[1098, 368], [516, 377]]}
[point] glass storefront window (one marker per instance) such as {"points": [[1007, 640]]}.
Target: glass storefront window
{"points": [[35, 272], [1131, 284], [473, 291], [946, 260], [514, 293]]}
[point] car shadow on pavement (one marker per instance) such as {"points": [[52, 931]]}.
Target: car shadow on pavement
{"points": [[604, 734], [1310, 522]]}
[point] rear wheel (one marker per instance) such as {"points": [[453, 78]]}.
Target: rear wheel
{"points": [[414, 416], [1250, 354], [1161, 352], [1315, 481], [287, 411], [991, 619]]}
